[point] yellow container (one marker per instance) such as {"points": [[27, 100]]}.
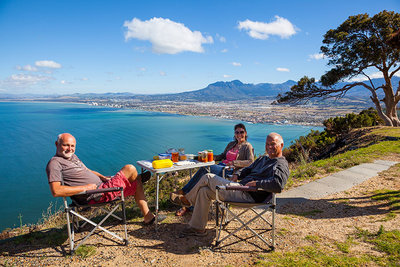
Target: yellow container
{"points": [[162, 163]]}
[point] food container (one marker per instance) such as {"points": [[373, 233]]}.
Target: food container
{"points": [[162, 163], [164, 156], [190, 156], [175, 156], [183, 157], [204, 156], [210, 155]]}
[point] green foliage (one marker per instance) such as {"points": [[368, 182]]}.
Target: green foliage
{"points": [[357, 45], [388, 242], [317, 144], [385, 241], [310, 256], [393, 201], [85, 251], [339, 125], [345, 246], [344, 160], [169, 183]]}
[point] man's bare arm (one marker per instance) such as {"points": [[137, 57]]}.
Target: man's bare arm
{"points": [[58, 190]]}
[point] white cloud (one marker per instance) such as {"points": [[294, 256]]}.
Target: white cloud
{"points": [[317, 56], [24, 80], [227, 76], [143, 69], [162, 73], [283, 69], [27, 68], [222, 39], [65, 82], [166, 36], [224, 50], [236, 64], [261, 30], [48, 64], [84, 79]]}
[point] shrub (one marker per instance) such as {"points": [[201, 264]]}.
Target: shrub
{"points": [[317, 145]]}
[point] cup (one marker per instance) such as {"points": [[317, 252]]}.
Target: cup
{"points": [[175, 156], [204, 156], [210, 155]]}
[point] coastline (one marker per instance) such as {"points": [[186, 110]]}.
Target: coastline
{"points": [[256, 111], [250, 112]]}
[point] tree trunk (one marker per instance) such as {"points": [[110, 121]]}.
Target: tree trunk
{"points": [[381, 114]]}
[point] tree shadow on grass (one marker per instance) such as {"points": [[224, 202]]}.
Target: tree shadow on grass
{"points": [[166, 238], [335, 208], [54, 242], [35, 243]]}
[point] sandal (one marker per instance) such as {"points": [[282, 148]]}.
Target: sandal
{"points": [[160, 219], [176, 199], [145, 176], [182, 211]]}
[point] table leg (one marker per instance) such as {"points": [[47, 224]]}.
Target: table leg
{"points": [[157, 192]]}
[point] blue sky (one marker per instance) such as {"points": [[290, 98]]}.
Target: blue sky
{"points": [[59, 47]]}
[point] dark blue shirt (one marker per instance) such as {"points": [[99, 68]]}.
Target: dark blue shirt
{"points": [[270, 174]]}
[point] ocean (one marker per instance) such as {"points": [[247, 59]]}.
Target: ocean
{"points": [[107, 139]]}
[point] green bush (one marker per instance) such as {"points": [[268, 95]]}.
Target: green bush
{"points": [[317, 145]]}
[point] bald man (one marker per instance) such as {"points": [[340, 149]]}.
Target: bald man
{"points": [[269, 172], [68, 176]]}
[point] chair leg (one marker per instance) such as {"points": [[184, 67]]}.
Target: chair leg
{"points": [[70, 233], [246, 224], [126, 241]]}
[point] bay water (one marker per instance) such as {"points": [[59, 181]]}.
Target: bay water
{"points": [[107, 139]]}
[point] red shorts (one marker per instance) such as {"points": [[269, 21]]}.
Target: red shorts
{"points": [[119, 180]]}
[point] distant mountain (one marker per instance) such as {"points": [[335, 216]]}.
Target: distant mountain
{"points": [[218, 91], [225, 91]]}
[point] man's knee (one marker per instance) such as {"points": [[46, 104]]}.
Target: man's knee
{"points": [[208, 176], [129, 170]]}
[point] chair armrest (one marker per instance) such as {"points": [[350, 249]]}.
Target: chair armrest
{"points": [[238, 188], [102, 190]]}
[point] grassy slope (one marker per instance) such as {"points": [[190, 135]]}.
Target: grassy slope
{"points": [[363, 145]]}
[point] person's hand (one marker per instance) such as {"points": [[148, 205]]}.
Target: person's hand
{"points": [[234, 178], [252, 183]]}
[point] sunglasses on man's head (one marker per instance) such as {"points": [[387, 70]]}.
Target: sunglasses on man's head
{"points": [[239, 132]]}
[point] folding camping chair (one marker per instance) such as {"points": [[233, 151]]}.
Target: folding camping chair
{"points": [[223, 208], [74, 213]]}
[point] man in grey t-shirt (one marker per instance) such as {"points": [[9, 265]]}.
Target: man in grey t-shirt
{"points": [[68, 176]]}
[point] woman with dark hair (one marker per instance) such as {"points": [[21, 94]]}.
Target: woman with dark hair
{"points": [[238, 154]]}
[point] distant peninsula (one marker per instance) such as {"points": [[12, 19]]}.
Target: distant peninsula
{"points": [[227, 100]]}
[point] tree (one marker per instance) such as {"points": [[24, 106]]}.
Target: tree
{"points": [[360, 44]]}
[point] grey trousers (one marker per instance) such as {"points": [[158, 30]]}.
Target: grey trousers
{"points": [[203, 193]]}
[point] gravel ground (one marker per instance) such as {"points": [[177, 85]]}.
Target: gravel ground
{"points": [[327, 220]]}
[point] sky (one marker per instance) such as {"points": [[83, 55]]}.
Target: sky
{"points": [[151, 47]]}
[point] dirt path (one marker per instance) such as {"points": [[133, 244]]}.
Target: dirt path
{"points": [[327, 220]]}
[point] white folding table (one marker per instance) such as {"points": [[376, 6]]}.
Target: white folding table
{"points": [[159, 173]]}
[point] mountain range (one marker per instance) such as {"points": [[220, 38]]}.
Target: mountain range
{"points": [[218, 91]]}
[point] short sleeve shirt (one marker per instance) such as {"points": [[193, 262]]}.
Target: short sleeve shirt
{"points": [[72, 171]]}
